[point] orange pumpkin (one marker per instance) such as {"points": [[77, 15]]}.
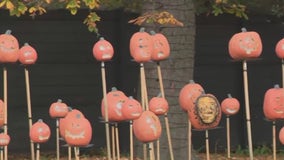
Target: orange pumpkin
{"points": [[281, 135], [161, 47], [147, 127], [115, 100], [39, 132], [4, 139], [158, 105], [230, 105], [206, 113], [58, 109], [103, 50], [141, 46], [131, 109], [188, 94], [273, 105], [2, 113], [279, 48], [9, 48], [245, 45], [27, 54]]}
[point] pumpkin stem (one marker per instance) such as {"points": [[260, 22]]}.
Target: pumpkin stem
{"points": [[229, 95], [8, 31], [130, 97], [26, 44], [152, 32], [244, 29], [40, 120], [113, 89], [70, 109], [191, 81], [276, 86], [59, 100], [102, 38], [142, 29]]}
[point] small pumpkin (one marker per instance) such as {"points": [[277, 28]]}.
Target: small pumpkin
{"points": [[27, 54], [161, 47], [158, 105], [281, 135], [58, 109], [206, 113], [230, 105], [141, 46], [245, 45], [2, 113], [9, 48], [279, 48], [39, 132], [103, 50], [273, 104], [188, 94], [4, 139], [131, 109], [147, 127]]}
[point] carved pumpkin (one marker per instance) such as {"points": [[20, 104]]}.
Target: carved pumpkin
{"points": [[58, 109], [9, 48], [279, 48], [161, 47], [188, 94], [4, 139], [147, 127], [77, 130], [158, 105], [230, 105], [206, 113], [27, 55], [2, 113], [245, 45], [39, 132], [273, 105], [141, 46], [131, 109], [281, 135], [115, 100], [103, 50]]}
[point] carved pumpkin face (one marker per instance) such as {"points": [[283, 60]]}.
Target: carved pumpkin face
{"points": [[273, 105], [103, 50], [131, 109], [281, 135], [147, 127], [115, 100], [58, 109], [161, 47], [158, 105], [4, 139], [230, 105], [2, 113], [9, 48], [39, 132], [27, 54], [206, 113], [279, 48], [245, 45]]}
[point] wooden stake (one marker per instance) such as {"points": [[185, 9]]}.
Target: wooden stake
{"points": [[77, 153], [69, 153], [143, 103], [37, 151], [131, 139], [113, 142], [117, 141], [207, 145], [5, 109], [189, 140], [228, 137], [274, 139], [57, 139], [247, 109], [1, 153]]}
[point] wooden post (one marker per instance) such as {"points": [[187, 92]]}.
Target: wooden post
{"points": [[131, 139], [69, 153], [189, 139], [57, 139], [37, 151], [5, 109], [274, 139], [117, 141], [207, 145], [228, 137]]}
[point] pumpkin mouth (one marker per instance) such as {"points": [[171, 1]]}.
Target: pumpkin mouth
{"points": [[279, 111], [4, 141], [160, 110], [42, 138], [135, 114], [6, 49], [80, 135], [161, 54], [229, 110], [106, 55]]}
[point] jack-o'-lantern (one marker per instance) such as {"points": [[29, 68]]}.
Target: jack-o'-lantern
{"points": [[58, 109], [9, 48], [2, 113], [141, 46], [115, 100], [245, 45], [189, 93], [161, 47], [281, 135], [158, 105], [103, 50], [230, 105], [279, 48], [131, 109], [27, 55], [273, 105], [77, 130], [4, 139], [147, 127], [206, 113], [39, 132]]}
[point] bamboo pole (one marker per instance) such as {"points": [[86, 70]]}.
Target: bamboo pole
{"points": [[189, 139], [57, 140], [37, 151], [207, 145], [77, 153], [117, 141], [1, 153], [5, 109], [228, 137], [274, 139], [113, 142], [69, 153], [131, 139], [145, 151]]}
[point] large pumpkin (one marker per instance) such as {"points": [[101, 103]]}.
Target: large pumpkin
{"points": [[58, 109], [2, 113], [279, 48], [230, 105], [115, 100], [131, 109], [273, 104], [189, 93], [141, 46], [206, 113], [4, 139], [39, 132], [27, 55], [103, 50], [9, 48], [281, 135], [147, 127], [245, 45], [158, 105], [161, 47]]}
